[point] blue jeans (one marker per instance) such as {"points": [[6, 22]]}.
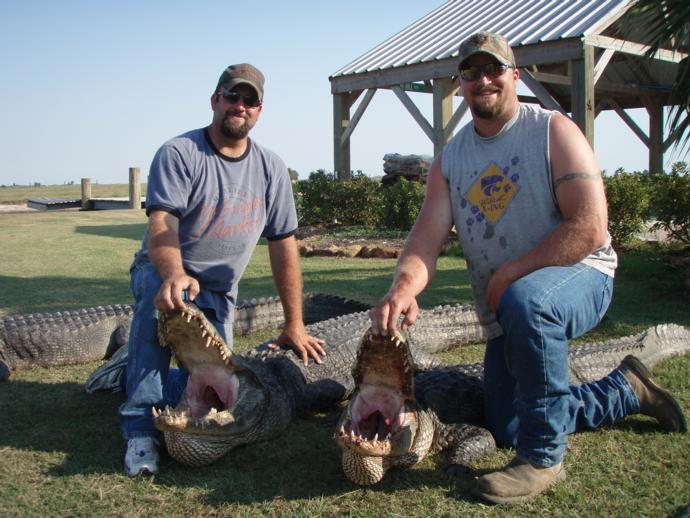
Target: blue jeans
{"points": [[529, 403], [148, 380]]}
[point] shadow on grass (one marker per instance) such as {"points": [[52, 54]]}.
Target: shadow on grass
{"points": [[126, 231], [448, 287], [301, 463], [51, 293]]}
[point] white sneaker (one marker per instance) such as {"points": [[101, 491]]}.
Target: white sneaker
{"points": [[142, 456]]}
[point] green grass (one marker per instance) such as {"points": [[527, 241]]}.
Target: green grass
{"points": [[61, 450]]}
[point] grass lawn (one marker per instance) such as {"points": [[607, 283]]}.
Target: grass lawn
{"points": [[61, 450]]}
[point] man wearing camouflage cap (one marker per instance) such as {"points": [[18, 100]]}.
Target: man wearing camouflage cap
{"points": [[524, 192], [212, 193]]}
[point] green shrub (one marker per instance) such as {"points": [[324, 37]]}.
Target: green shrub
{"points": [[402, 202], [315, 196], [670, 203], [628, 201], [323, 200], [359, 201]]}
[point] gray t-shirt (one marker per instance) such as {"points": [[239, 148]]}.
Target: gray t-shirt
{"points": [[503, 200], [224, 206]]}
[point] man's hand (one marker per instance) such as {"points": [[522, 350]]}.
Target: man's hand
{"points": [[384, 317], [506, 275], [303, 344], [169, 295]]}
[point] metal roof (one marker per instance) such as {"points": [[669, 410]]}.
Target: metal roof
{"points": [[438, 34]]}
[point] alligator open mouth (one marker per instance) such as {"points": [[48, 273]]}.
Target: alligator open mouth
{"points": [[222, 399], [380, 419]]}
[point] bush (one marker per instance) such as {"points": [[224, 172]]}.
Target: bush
{"points": [[323, 200], [670, 203], [628, 201], [402, 202]]}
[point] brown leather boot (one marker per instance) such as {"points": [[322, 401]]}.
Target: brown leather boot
{"points": [[518, 482], [654, 401]]}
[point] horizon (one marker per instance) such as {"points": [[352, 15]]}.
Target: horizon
{"points": [[93, 89]]}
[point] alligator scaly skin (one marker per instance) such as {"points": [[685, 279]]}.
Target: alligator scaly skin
{"points": [[63, 338], [80, 336], [450, 408], [270, 387]]}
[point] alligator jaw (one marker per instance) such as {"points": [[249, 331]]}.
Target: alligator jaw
{"points": [[381, 418], [222, 398]]}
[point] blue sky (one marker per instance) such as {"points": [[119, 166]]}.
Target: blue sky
{"points": [[91, 88]]}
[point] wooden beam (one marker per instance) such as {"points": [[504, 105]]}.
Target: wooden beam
{"points": [[633, 48], [358, 115], [442, 110], [341, 150], [629, 121], [538, 89], [656, 138], [455, 120], [414, 111], [541, 53], [545, 77], [601, 63], [582, 93]]}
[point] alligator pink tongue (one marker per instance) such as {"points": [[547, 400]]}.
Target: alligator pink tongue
{"points": [[210, 386]]}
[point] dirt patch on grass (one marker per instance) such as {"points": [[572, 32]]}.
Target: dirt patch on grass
{"points": [[322, 242]]}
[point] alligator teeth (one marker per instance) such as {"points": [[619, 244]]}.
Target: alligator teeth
{"points": [[376, 437], [213, 411], [203, 332], [155, 412], [189, 317], [208, 341]]}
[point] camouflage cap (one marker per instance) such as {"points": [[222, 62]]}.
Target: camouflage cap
{"points": [[242, 73], [487, 43]]}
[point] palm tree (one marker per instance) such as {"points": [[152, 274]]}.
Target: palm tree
{"points": [[668, 26]]}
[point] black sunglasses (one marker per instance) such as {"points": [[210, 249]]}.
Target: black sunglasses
{"points": [[474, 72], [250, 101]]}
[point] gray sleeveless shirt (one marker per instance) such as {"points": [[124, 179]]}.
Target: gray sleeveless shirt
{"points": [[503, 199]]}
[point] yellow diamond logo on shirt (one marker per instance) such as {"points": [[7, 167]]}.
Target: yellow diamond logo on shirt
{"points": [[491, 193]]}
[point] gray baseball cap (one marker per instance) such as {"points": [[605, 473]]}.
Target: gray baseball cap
{"points": [[242, 73], [487, 43]]}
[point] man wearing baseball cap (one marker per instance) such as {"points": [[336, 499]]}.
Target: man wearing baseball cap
{"points": [[212, 193], [525, 194]]}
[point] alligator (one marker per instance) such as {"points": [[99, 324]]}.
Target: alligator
{"points": [[395, 418], [80, 336], [234, 399]]}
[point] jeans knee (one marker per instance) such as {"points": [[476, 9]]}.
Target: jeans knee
{"points": [[516, 308]]}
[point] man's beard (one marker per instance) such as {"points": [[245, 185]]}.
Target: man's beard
{"points": [[234, 132], [487, 111]]}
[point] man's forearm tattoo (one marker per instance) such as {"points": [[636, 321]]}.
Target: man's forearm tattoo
{"points": [[574, 176]]}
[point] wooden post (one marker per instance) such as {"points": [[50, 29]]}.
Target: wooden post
{"points": [[134, 188], [582, 92], [341, 150], [443, 110], [656, 137], [86, 194]]}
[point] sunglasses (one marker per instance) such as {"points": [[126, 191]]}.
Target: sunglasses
{"points": [[250, 101], [492, 70]]}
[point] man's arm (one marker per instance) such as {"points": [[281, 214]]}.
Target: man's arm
{"points": [[165, 255], [580, 193], [417, 263], [287, 276]]}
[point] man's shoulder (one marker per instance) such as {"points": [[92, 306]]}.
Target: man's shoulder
{"points": [[267, 156], [192, 138]]}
